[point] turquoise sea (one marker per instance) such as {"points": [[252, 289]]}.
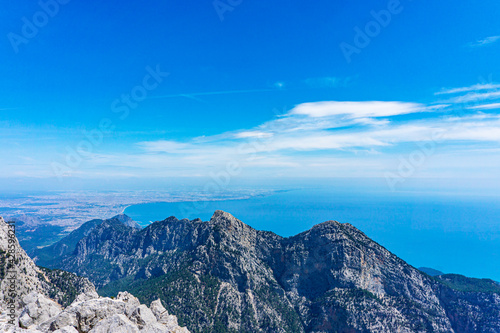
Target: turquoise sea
{"points": [[451, 233]]}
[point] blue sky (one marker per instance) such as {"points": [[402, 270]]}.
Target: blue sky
{"points": [[252, 88]]}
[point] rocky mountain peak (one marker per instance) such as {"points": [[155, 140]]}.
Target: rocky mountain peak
{"points": [[227, 222], [171, 219], [126, 220], [327, 226]]}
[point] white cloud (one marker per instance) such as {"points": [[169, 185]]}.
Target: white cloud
{"points": [[312, 138], [317, 151], [162, 146], [356, 109], [485, 106], [474, 97], [253, 134], [321, 126], [473, 94], [321, 141], [485, 41]]}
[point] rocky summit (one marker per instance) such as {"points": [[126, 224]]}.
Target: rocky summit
{"points": [[224, 276], [37, 299]]}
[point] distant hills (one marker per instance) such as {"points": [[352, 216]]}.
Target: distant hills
{"points": [[32, 232], [430, 271], [463, 283], [224, 276], [47, 256]]}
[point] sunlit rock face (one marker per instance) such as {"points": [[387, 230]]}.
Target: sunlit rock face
{"points": [[93, 314]]}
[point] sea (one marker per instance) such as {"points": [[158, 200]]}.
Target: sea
{"points": [[445, 231]]}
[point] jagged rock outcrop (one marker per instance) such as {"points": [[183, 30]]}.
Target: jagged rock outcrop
{"points": [[162, 315], [17, 270], [37, 310], [37, 290], [91, 313], [224, 276]]}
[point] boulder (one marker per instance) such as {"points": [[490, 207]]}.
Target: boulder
{"points": [[142, 316], [118, 323], [38, 309]]}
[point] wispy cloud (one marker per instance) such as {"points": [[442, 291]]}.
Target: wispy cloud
{"points": [[475, 97], [485, 41], [320, 138], [472, 94], [298, 144], [253, 134], [322, 126], [9, 109], [490, 106], [193, 95], [476, 87], [315, 83], [162, 146], [355, 110]]}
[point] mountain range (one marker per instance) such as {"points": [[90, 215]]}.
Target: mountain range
{"points": [[224, 276]]}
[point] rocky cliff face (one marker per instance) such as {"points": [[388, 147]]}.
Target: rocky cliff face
{"points": [[224, 276], [20, 276], [45, 300]]}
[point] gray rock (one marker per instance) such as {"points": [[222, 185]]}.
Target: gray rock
{"points": [[156, 328], [118, 323], [158, 309], [142, 316], [163, 317], [92, 294], [95, 315], [89, 313], [38, 309], [131, 302], [67, 329]]}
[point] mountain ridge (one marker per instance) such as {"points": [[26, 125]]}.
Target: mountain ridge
{"points": [[223, 273]]}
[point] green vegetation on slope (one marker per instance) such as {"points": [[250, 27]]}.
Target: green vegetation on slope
{"points": [[64, 286], [466, 284], [203, 293], [173, 289]]}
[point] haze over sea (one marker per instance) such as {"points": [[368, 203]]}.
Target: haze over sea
{"points": [[452, 233]]}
